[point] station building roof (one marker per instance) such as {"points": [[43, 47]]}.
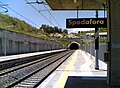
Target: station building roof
{"points": [[76, 4]]}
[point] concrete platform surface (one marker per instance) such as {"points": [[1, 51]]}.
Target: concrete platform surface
{"points": [[78, 71], [13, 57]]}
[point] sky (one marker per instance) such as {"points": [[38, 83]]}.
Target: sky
{"points": [[38, 14]]}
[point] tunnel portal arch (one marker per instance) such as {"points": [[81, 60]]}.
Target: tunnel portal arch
{"points": [[74, 46]]}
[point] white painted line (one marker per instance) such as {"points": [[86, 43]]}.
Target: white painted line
{"points": [[46, 81]]}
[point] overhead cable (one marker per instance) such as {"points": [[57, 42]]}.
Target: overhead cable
{"points": [[51, 15], [20, 15], [40, 13]]}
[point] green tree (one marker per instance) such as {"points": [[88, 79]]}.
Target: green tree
{"points": [[65, 31]]}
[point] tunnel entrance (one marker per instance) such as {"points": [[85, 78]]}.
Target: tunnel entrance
{"points": [[74, 46]]}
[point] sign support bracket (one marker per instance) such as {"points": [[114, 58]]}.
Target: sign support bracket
{"points": [[77, 12], [96, 45]]}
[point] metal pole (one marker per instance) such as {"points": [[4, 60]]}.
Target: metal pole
{"points": [[109, 71], [77, 11], [96, 45]]}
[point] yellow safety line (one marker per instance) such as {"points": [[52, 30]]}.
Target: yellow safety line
{"points": [[61, 82]]}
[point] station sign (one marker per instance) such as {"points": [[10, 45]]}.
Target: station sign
{"points": [[86, 22]]}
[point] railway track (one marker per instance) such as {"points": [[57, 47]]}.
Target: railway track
{"points": [[31, 74], [5, 64]]}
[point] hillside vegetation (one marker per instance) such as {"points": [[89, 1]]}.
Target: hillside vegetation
{"points": [[45, 31], [20, 26]]}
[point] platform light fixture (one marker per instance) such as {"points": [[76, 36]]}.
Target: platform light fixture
{"points": [[75, 1]]}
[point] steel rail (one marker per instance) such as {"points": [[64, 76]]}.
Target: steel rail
{"points": [[16, 74]]}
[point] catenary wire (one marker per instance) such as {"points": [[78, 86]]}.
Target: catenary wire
{"points": [[20, 15], [51, 15], [40, 13]]}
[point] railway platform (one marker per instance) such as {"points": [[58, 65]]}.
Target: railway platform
{"points": [[78, 71], [18, 56]]}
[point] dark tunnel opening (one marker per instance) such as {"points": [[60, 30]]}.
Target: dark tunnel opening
{"points": [[74, 46]]}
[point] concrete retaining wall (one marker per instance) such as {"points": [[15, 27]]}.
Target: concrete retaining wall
{"points": [[21, 43]]}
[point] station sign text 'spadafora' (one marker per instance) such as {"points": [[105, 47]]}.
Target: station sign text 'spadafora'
{"points": [[86, 23]]}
